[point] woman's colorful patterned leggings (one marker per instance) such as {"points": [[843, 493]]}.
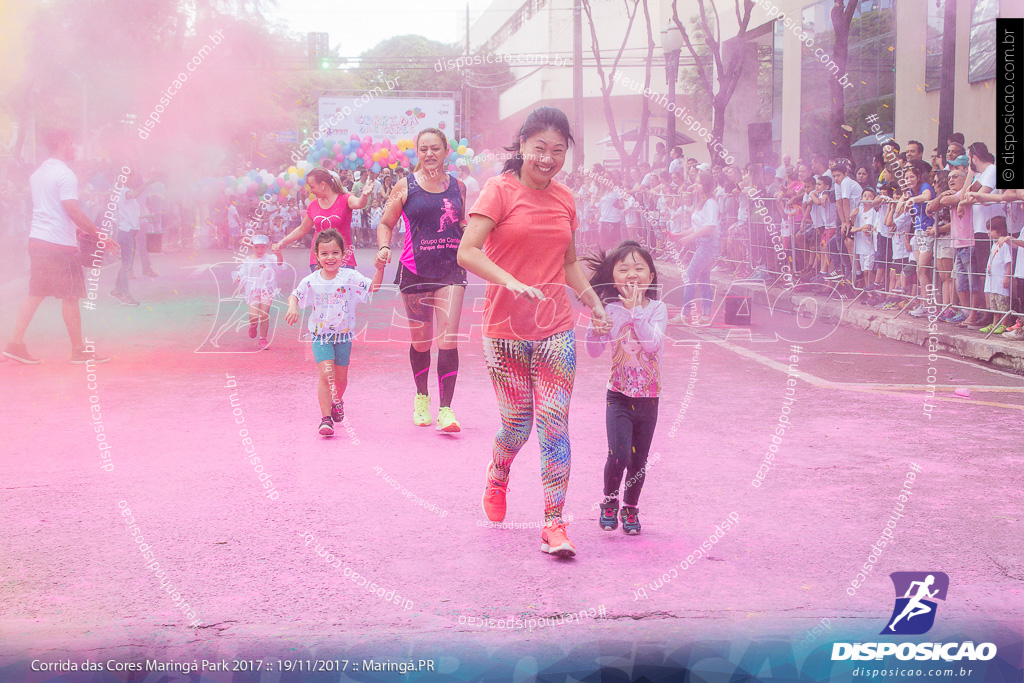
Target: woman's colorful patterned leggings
{"points": [[528, 377]]}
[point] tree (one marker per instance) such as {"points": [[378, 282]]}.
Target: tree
{"points": [[842, 17], [417, 63], [251, 81], [608, 80], [728, 67]]}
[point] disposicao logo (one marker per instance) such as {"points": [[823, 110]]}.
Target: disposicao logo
{"points": [[916, 592], [914, 614]]}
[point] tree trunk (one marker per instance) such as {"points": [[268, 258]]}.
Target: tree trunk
{"points": [[841, 19], [729, 67], [608, 82]]}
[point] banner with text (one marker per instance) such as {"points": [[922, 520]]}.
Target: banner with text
{"points": [[384, 117]]}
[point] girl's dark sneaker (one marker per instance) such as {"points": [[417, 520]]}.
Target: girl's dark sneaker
{"points": [[327, 426], [609, 520], [630, 520], [338, 411]]}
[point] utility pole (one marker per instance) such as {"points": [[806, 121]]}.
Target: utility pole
{"points": [[946, 80], [577, 83]]}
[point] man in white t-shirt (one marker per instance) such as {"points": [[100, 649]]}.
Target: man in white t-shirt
{"points": [[149, 222], [472, 186], [129, 224], [984, 180], [234, 225], [848, 194], [677, 165], [56, 268]]}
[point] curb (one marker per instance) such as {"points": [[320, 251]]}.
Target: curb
{"points": [[1008, 355]]}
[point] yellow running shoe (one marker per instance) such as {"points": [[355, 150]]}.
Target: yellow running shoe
{"points": [[554, 541], [421, 411], [446, 421]]}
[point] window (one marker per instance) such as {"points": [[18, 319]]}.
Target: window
{"points": [[982, 64], [514, 23], [870, 68], [933, 41]]}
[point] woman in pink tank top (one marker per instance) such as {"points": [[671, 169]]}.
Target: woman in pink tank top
{"points": [[332, 208]]}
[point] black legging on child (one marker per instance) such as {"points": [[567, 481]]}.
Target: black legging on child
{"points": [[631, 423]]}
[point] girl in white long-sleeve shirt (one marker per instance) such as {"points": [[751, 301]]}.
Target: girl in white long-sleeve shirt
{"points": [[626, 281]]}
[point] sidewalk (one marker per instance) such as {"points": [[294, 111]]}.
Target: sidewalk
{"points": [[1008, 355]]}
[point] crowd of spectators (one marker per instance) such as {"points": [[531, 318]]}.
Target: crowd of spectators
{"points": [[935, 236]]}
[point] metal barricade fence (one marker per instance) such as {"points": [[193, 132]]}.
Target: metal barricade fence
{"points": [[894, 279]]}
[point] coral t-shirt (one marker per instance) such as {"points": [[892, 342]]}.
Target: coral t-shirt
{"points": [[532, 231], [339, 217]]}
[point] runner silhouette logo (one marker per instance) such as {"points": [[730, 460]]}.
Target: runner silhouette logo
{"points": [[915, 608]]}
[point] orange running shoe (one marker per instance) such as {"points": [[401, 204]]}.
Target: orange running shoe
{"points": [[494, 497], [554, 541]]}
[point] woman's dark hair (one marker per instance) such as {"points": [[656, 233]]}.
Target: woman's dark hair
{"points": [[328, 235], [602, 265], [921, 168], [540, 119], [324, 176], [707, 183]]}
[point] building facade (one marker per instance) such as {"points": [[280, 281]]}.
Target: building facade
{"points": [[891, 77]]}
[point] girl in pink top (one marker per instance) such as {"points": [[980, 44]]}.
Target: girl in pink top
{"points": [[332, 208], [627, 282], [521, 239]]}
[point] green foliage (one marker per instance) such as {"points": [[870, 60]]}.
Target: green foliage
{"points": [[699, 102], [412, 59]]}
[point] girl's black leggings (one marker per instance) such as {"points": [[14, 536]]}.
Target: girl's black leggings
{"points": [[630, 423]]}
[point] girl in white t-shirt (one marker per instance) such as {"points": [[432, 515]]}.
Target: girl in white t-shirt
{"points": [[997, 275], [901, 226], [824, 218], [332, 292], [864, 238], [1015, 240], [256, 279]]}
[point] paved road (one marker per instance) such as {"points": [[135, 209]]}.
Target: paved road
{"points": [[248, 565]]}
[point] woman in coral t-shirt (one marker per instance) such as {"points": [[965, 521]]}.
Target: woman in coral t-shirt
{"points": [[521, 240], [331, 208]]}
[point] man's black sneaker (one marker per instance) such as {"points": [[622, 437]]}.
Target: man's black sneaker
{"points": [[609, 520], [630, 520]]}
